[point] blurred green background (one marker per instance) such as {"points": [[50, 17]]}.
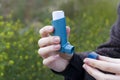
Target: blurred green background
{"points": [[20, 21]]}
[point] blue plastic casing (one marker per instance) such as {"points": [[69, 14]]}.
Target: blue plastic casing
{"points": [[60, 30], [93, 55]]}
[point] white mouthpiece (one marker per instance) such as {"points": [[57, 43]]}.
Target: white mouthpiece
{"points": [[57, 15]]}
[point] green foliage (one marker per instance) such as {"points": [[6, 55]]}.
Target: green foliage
{"points": [[26, 10], [91, 25], [90, 22], [18, 48]]}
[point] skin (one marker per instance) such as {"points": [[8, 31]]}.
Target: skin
{"points": [[105, 64], [49, 47]]}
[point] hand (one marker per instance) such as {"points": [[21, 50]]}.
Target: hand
{"points": [[49, 46], [105, 64]]}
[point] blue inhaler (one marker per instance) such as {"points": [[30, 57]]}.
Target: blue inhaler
{"points": [[59, 24], [93, 55]]}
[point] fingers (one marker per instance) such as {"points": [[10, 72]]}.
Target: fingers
{"points": [[93, 72], [48, 50], [49, 44], [98, 75], [56, 63], [48, 41], [68, 30], [103, 65], [48, 61], [45, 31], [108, 59]]}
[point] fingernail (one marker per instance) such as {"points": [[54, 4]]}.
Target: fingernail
{"points": [[84, 66], [85, 60], [57, 47], [50, 28], [56, 39]]}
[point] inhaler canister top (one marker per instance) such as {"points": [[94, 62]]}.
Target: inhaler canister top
{"points": [[57, 15]]}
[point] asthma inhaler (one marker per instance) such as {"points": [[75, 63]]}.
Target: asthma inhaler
{"points": [[59, 24], [93, 55]]}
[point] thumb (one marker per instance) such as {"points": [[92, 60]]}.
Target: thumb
{"points": [[68, 31]]}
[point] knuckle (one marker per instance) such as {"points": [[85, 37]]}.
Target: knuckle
{"points": [[41, 31], [52, 38], [40, 52], [45, 62], [48, 61], [49, 39], [44, 41], [39, 41], [56, 39], [43, 52], [50, 48]]}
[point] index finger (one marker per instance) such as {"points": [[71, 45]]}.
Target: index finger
{"points": [[98, 75], [45, 31], [103, 65], [108, 59]]}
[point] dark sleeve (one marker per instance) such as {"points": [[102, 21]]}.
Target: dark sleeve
{"points": [[111, 48]]}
